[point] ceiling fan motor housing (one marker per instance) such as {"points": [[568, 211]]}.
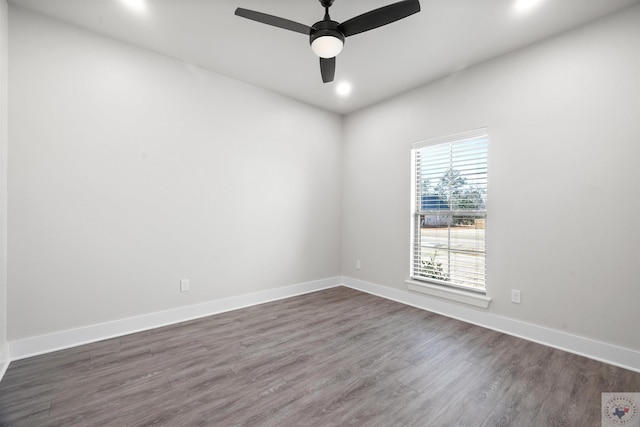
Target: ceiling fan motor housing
{"points": [[329, 29]]}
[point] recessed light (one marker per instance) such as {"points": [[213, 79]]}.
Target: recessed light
{"points": [[343, 89], [137, 5], [523, 6]]}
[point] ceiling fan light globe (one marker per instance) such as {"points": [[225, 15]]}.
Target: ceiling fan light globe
{"points": [[327, 46]]}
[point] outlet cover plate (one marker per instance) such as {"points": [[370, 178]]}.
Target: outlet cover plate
{"points": [[515, 296]]}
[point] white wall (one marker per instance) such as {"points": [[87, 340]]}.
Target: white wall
{"points": [[129, 171], [4, 29], [564, 124]]}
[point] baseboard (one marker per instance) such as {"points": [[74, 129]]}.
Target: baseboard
{"points": [[603, 352], [21, 349], [4, 360], [608, 353]]}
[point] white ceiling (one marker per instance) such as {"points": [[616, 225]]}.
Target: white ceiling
{"points": [[445, 37]]}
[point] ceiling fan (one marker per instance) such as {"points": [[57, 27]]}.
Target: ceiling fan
{"points": [[327, 36]]}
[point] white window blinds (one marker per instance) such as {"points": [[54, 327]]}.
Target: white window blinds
{"points": [[450, 210]]}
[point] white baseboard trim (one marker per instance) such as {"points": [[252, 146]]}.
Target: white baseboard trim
{"points": [[28, 347], [597, 350], [4, 360], [608, 353]]}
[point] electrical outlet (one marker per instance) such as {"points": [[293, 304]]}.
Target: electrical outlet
{"points": [[184, 285], [358, 264], [515, 296]]}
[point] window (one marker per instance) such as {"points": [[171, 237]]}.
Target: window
{"points": [[449, 204]]}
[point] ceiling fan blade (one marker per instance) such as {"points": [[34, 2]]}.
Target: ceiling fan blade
{"points": [[379, 17], [328, 69], [273, 20]]}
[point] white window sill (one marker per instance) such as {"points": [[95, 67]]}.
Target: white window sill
{"points": [[459, 295]]}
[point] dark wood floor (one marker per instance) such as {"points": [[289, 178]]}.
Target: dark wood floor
{"points": [[331, 358]]}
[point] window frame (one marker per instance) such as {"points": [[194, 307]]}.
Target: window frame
{"points": [[430, 283]]}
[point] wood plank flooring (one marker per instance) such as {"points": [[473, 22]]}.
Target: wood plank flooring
{"points": [[336, 357]]}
